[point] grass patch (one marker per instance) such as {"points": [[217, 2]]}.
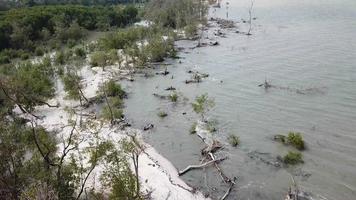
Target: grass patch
{"points": [[293, 158], [234, 140], [162, 114]]}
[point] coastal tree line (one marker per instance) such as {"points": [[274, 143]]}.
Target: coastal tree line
{"points": [[32, 163]]}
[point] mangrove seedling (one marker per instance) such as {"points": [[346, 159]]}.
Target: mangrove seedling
{"points": [[173, 97], [162, 114], [234, 140], [193, 128], [293, 158], [202, 105], [296, 140], [293, 139]]}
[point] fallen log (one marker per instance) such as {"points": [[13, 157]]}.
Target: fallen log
{"points": [[190, 167]]}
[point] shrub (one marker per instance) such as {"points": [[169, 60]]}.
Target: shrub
{"points": [[293, 158], [296, 140], [4, 59], [79, 52], [60, 58], [25, 56], [98, 59], [114, 89], [39, 51], [202, 104], [234, 140], [293, 139], [190, 30], [113, 110], [162, 114], [72, 85]]}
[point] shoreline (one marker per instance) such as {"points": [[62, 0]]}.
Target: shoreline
{"points": [[158, 177]]}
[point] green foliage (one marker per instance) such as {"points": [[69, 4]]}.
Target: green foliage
{"points": [[293, 158], [70, 34], [21, 163], [158, 48], [173, 97], [72, 85], [119, 178], [234, 140], [80, 52], [175, 13], [31, 84], [113, 111], [25, 28], [113, 89], [191, 30], [296, 140], [202, 104], [193, 128], [123, 38], [39, 51], [162, 114], [98, 59]]}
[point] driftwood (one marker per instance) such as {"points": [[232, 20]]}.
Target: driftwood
{"points": [[190, 167], [266, 85], [211, 147], [164, 73], [196, 77], [170, 88], [148, 127]]}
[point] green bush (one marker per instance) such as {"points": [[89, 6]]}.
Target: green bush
{"points": [[293, 139], [4, 59], [115, 108], [293, 158], [296, 140], [234, 140], [39, 51], [79, 52], [190, 30], [25, 56], [60, 58], [98, 59], [114, 89]]}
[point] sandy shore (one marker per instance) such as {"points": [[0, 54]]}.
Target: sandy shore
{"points": [[157, 175]]}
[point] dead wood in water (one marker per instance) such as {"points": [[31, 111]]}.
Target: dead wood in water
{"points": [[190, 167]]}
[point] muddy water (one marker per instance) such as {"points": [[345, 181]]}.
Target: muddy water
{"points": [[298, 45]]}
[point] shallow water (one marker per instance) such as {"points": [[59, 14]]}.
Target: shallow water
{"points": [[296, 44]]}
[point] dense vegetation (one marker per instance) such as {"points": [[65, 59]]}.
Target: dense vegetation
{"points": [[27, 29], [36, 161]]}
